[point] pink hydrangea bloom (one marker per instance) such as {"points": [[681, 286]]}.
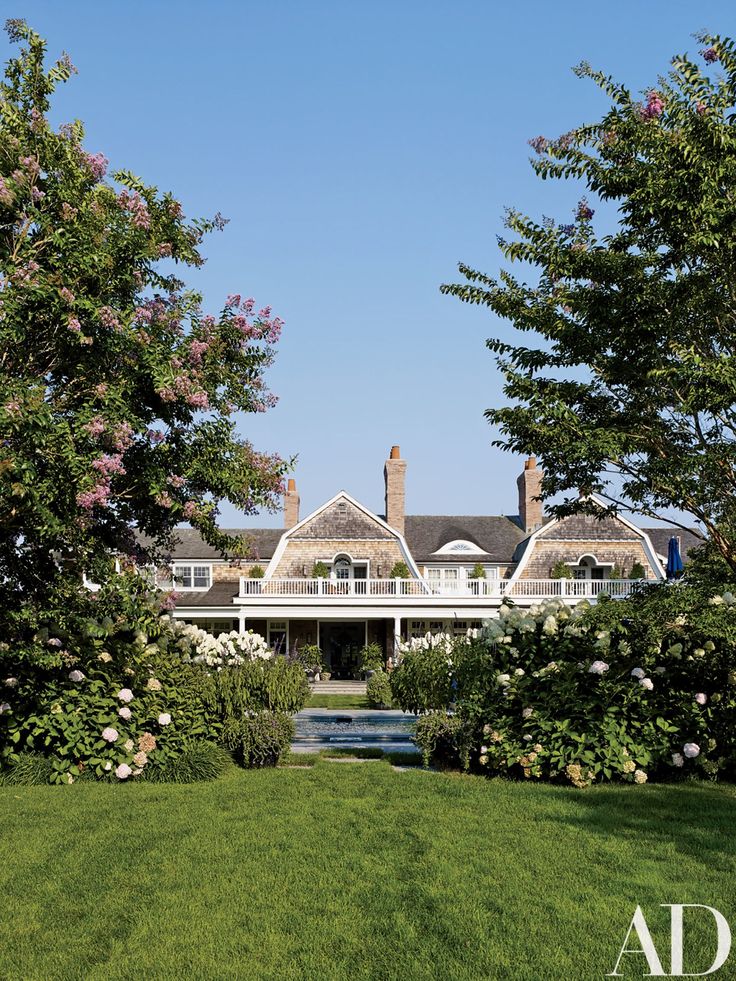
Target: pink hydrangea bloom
{"points": [[110, 735], [123, 771], [701, 698], [691, 750], [164, 719], [125, 695], [647, 683], [124, 712]]}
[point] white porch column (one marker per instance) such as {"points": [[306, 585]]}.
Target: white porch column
{"points": [[241, 621], [397, 636]]}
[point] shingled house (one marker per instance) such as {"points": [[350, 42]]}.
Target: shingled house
{"points": [[338, 576]]}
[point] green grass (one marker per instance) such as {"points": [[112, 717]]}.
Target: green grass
{"points": [[359, 872], [338, 702]]}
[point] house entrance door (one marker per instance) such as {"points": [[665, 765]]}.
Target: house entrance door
{"points": [[341, 644]]}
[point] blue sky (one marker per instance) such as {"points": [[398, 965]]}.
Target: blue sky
{"points": [[360, 150]]}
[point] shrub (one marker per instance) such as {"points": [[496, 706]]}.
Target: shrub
{"points": [[442, 739], [320, 571], [625, 690], [378, 690], [372, 658], [560, 570], [200, 760], [258, 740], [400, 570], [637, 571], [278, 686], [256, 572], [477, 572], [28, 768], [422, 680], [309, 656]]}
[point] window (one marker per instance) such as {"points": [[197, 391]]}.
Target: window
{"points": [[278, 635], [341, 568], [192, 576]]}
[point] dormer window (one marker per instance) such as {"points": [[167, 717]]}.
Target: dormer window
{"points": [[191, 576], [460, 546]]}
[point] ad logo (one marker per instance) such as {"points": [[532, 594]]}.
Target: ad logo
{"points": [[639, 925]]}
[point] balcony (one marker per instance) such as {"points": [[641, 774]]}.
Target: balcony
{"points": [[480, 592]]}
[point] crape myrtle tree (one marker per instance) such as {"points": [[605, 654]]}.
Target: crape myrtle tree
{"points": [[118, 393], [628, 385]]}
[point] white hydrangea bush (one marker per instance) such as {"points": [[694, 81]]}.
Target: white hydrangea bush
{"points": [[226, 649], [584, 694]]}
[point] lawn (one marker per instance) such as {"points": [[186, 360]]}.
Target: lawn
{"points": [[338, 702], [353, 870]]}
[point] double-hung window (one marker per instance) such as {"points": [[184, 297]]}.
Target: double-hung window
{"points": [[192, 576]]}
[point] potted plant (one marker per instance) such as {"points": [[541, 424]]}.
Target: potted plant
{"points": [[371, 659]]}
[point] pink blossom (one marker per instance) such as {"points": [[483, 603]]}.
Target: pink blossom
{"points": [[97, 163], [123, 436], [134, 203], [68, 212], [700, 108], [233, 300], [584, 212], [66, 295], [169, 601], [12, 407], [190, 509], [74, 325], [654, 107], [6, 195], [164, 249], [125, 695], [539, 144], [175, 481], [123, 771], [108, 318], [124, 712], [101, 390], [691, 750], [95, 427], [155, 435], [198, 400], [37, 194], [164, 719], [108, 464], [110, 735], [196, 350], [701, 698], [97, 496], [163, 500]]}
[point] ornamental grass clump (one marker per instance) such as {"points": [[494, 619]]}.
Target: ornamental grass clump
{"points": [[627, 691]]}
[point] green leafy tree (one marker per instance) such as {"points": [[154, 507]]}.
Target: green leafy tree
{"points": [[320, 570], [637, 571], [477, 572], [627, 387], [118, 392]]}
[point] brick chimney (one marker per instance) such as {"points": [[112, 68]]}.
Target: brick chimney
{"points": [[291, 505], [395, 475], [529, 483]]}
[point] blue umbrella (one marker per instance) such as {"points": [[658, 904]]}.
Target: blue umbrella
{"points": [[674, 560]]}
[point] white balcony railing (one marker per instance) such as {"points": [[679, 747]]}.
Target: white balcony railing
{"points": [[481, 588]]}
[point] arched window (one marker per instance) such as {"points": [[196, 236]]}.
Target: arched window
{"points": [[342, 567]]}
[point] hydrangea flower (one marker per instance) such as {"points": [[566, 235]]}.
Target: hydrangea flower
{"points": [[647, 683], [11, 682], [123, 771], [4, 707], [598, 667], [104, 657], [527, 713], [153, 684], [76, 676], [128, 745], [638, 673], [140, 759], [678, 759], [701, 698], [110, 735], [124, 712], [164, 719], [640, 776], [108, 766], [691, 750], [125, 695]]}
